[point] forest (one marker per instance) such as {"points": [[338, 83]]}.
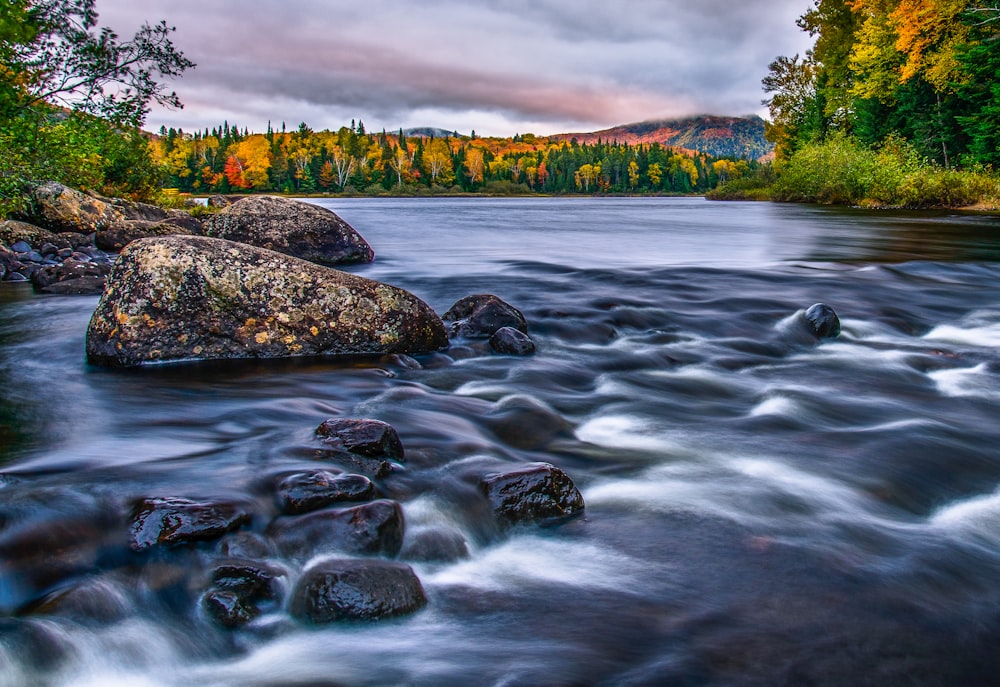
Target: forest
{"points": [[353, 161], [897, 103]]}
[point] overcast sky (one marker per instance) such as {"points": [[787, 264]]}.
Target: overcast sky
{"points": [[497, 66]]}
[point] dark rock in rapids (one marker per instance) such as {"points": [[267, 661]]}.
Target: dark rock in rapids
{"points": [[83, 286], [292, 227], [372, 438], [537, 493], [90, 600], [252, 580], [374, 528], [169, 521], [228, 608], [510, 341], [823, 321], [527, 423], [481, 316], [436, 545], [375, 468], [309, 491], [188, 297], [356, 590], [239, 589], [125, 232]]}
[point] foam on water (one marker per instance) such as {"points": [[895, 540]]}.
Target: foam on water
{"points": [[977, 518], [533, 560], [628, 432], [967, 382]]}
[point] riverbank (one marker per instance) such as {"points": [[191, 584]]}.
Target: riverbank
{"points": [[842, 172]]}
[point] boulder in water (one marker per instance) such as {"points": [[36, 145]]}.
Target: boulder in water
{"points": [[538, 493], [823, 321], [481, 316], [510, 341], [292, 227], [350, 589], [189, 297], [374, 528], [309, 491], [170, 521], [372, 438]]}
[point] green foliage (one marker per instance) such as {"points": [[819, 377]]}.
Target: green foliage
{"points": [[72, 100]]}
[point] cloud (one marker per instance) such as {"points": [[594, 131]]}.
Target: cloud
{"points": [[550, 64]]}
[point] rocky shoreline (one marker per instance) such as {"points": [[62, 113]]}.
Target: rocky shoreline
{"points": [[254, 281]]}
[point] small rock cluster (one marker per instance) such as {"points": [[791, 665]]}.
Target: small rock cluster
{"points": [[323, 547], [66, 263]]}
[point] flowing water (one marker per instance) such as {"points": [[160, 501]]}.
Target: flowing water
{"points": [[762, 508]]}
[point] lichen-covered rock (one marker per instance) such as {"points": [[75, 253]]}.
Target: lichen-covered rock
{"points": [[169, 521], [12, 231], [374, 529], [346, 589], [372, 438], [539, 493], [481, 316], [120, 235], [61, 208], [300, 229], [189, 297]]}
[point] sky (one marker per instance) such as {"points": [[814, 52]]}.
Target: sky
{"points": [[499, 67]]}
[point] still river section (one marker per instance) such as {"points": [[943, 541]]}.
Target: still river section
{"points": [[761, 508]]}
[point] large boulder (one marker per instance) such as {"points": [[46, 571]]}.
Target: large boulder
{"points": [[114, 238], [300, 229], [190, 297], [346, 589], [61, 208]]}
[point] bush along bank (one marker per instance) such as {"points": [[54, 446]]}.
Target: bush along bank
{"points": [[840, 171]]}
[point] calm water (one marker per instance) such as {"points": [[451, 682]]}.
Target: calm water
{"points": [[762, 509]]}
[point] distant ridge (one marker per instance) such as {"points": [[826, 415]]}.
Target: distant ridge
{"points": [[739, 137], [429, 132]]}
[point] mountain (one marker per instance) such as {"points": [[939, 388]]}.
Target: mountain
{"points": [[429, 132], [740, 137]]}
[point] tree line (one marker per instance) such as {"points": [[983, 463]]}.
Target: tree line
{"points": [[354, 161], [897, 102]]}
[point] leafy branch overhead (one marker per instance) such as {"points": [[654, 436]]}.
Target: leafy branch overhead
{"points": [[61, 59]]}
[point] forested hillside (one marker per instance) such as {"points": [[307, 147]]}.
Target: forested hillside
{"points": [[354, 161]]}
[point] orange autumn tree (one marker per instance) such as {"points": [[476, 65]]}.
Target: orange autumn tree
{"points": [[248, 163]]}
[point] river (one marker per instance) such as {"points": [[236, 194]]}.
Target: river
{"points": [[762, 508]]}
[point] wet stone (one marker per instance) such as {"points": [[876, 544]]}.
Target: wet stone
{"points": [[170, 521], [437, 545], [538, 493], [823, 321], [374, 529], [481, 316], [337, 590], [228, 608], [309, 491], [251, 580], [372, 438], [510, 341]]}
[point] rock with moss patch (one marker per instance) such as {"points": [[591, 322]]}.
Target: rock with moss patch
{"points": [[292, 227], [188, 297], [61, 208]]}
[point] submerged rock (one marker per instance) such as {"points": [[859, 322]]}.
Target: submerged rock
{"points": [[190, 297], [170, 521], [481, 316], [436, 545], [539, 493], [823, 321], [374, 529], [341, 589], [309, 491], [372, 438], [292, 227]]}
